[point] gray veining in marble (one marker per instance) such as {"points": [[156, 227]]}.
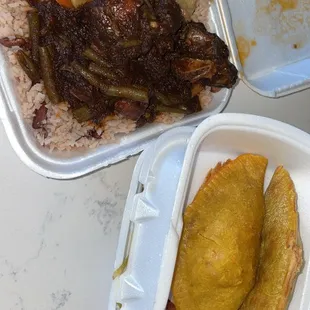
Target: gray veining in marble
{"points": [[58, 238]]}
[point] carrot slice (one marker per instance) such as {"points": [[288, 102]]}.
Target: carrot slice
{"points": [[65, 3]]}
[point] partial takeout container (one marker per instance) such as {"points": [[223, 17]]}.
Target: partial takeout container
{"points": [[273, 38], [68, 165], [166, 178]]}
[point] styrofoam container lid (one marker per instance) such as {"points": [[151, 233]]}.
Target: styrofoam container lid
{"points": [[270, 43], [168, 175], [147, 230]]}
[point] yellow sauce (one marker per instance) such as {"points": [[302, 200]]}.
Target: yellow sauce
{"points": [[244, 49], [285, 21], [286, 4]]}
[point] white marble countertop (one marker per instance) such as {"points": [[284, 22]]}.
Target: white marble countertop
{"points": [[58, 238]]}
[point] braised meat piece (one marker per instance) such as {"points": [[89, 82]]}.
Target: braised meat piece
{"points": [[193, 70], [226, 75], [130, 109], [196, 42], [204, 57], [112, 20], [217, 73], [169, 16]]}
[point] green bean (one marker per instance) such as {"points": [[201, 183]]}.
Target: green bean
{"points": [[131, 43], [163, 99], [105, 72], [34, 29], [28, 66], [95, 57], [121, 269], [174, 100], [86, 74], [82, 114], [127, 92], [51, 51], [48, 75], [171, 104]]}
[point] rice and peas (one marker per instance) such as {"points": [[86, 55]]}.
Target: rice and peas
{"points": [[61, 131]]}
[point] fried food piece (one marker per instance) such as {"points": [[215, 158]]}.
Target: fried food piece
{"points": [[281, 254], [219, 248]]}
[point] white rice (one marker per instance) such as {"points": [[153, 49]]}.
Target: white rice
{"points": [[61, 131], [201, 11]]}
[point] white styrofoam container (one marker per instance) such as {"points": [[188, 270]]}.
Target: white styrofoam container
{"points": [[146, 227], [168, 175], [68, 165], [278, 63]]}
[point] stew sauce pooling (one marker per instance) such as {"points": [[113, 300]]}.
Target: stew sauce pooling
{"points": [[129, 57]]}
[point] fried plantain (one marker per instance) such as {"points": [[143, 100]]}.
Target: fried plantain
{"points": [[219, 248], [281, 253]]}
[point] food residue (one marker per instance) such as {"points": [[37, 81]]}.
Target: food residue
{"points": [[286, 5], [298, 45], [244, 48], [121, 269], [284, 20]]}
